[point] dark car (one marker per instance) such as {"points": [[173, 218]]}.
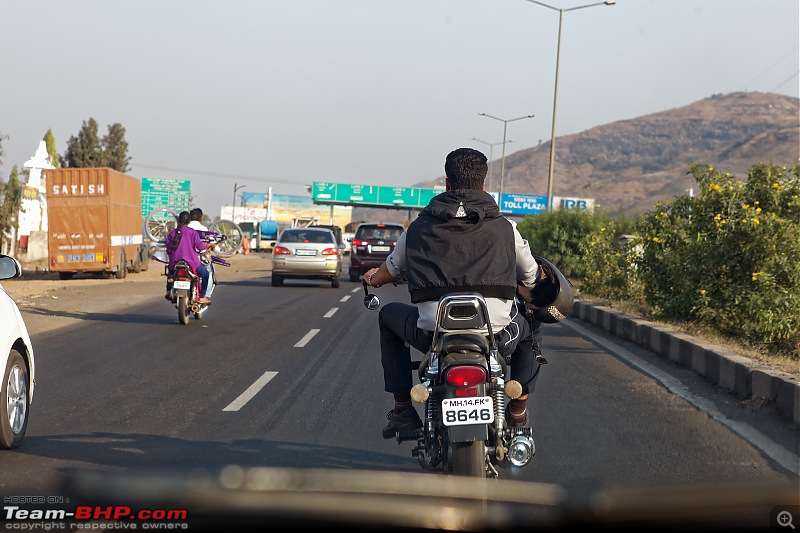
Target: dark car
{"points": [[372, 243]]}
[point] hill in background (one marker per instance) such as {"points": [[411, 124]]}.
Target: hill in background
{"points": [[630, 165]]}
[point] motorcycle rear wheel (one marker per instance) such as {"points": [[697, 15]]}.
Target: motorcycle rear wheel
{"points": [[183, 309], [467, 459]]}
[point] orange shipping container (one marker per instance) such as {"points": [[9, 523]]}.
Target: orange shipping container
{"points": [[94, 222]]}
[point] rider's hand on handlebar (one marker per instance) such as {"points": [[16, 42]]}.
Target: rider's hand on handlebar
{"points": [[369, 278]]}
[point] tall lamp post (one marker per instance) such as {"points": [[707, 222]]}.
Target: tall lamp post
{"points": [[236, 187], [555, 90], [490, 145], [503, 157]]}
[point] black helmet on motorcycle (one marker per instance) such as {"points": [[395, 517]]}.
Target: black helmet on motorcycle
{"points": [[551, 298]]}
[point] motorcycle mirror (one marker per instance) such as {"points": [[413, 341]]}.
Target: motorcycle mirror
{"points": [[371, 301]]}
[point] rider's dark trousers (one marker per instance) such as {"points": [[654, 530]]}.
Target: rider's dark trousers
{"points": [[397, 323]]}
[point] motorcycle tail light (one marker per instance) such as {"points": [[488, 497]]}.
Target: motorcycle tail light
{"points": [[466, 376]]}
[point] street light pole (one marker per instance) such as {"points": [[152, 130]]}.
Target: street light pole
{"points": [[490, 145], [555, 89], [503, 157], [236, 187]]}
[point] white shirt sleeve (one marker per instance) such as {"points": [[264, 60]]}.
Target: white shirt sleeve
{"points": [[396, 261], [527, 267]]}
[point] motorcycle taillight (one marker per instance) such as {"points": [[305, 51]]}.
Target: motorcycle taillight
{"points": [[466, 376]]}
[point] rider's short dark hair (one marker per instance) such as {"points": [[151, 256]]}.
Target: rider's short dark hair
{"points": [[466, 168], [196, 214]]}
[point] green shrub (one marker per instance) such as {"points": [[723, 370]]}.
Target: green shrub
{"points": [[729, 258]]}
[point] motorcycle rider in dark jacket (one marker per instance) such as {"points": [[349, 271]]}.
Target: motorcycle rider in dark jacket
{"points": [[459, 242]]}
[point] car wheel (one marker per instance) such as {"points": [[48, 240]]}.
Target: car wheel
{"points": [[335, 282], [277, 281], [15, 402], [353, 276]]}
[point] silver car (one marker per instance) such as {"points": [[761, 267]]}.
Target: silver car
{"points": [[307, 253], [16, 354]]}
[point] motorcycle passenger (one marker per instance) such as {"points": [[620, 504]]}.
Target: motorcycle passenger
{"points": [[184, 243], [459, 242], [196, 223]]}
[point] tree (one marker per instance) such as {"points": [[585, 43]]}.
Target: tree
{"points": [[88, 150], [50, 141], [85, 150], [2, 153], [116, 148], [9, 208]]}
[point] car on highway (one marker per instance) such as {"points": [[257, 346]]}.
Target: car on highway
{"points": [[16, 389], [372, 243], [307, 253]]}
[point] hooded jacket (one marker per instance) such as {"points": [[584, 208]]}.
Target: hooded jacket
{"points": [[460, 242]]}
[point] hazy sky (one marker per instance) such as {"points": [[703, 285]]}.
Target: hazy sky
{"points": [[282, 93]]}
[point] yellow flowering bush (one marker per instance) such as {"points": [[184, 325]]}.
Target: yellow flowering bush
{"points": [[737, 245]]}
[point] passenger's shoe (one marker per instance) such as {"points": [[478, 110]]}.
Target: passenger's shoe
{"points": [[408, 420], [204, 301], [168, 296]]}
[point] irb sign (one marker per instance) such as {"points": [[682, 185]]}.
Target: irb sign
{"points": [[560, 202]]}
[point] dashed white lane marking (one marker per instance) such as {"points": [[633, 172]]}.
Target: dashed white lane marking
{"points": [[356, 290], [310, 335], [345, 298], [331, 312], [251, 391]]}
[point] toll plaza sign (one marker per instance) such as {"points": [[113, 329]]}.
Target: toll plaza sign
{"points": [[523, 204], [373, 195]]}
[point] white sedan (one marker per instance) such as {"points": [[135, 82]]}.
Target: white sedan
{"points": [[16, 352]]}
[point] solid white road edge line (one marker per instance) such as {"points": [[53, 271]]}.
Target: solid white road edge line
{"points": [[251, 391], [775, 451]]}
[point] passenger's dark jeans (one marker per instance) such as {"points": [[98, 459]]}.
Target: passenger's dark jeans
{"points": [[397, 323]]}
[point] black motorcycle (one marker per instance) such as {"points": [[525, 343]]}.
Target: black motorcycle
{"points": [[463, 382]]}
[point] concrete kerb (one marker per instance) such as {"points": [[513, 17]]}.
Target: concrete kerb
{"points": [[740, 375]]}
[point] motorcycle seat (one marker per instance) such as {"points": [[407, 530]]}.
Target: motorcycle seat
{"points": [[455, 342]]}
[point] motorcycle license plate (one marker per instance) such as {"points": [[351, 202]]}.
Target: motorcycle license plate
{"points": [[182, 285], [465, 411]]}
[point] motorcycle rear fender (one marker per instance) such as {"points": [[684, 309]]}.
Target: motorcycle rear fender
{"points": [[472, 432]]}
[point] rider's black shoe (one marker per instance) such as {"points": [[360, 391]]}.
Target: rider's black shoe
{"points": [[408, 420]]}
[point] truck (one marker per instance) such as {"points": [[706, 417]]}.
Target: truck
{"points": [[94, 222]]}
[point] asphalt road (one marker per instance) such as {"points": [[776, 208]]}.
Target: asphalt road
{"points": [[290, 376]]}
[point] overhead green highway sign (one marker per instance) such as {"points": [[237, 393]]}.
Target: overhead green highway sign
{"points": [[324, 192]]}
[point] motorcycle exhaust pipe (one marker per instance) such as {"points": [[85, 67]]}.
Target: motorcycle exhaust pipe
{"points": [[521, 450]]}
